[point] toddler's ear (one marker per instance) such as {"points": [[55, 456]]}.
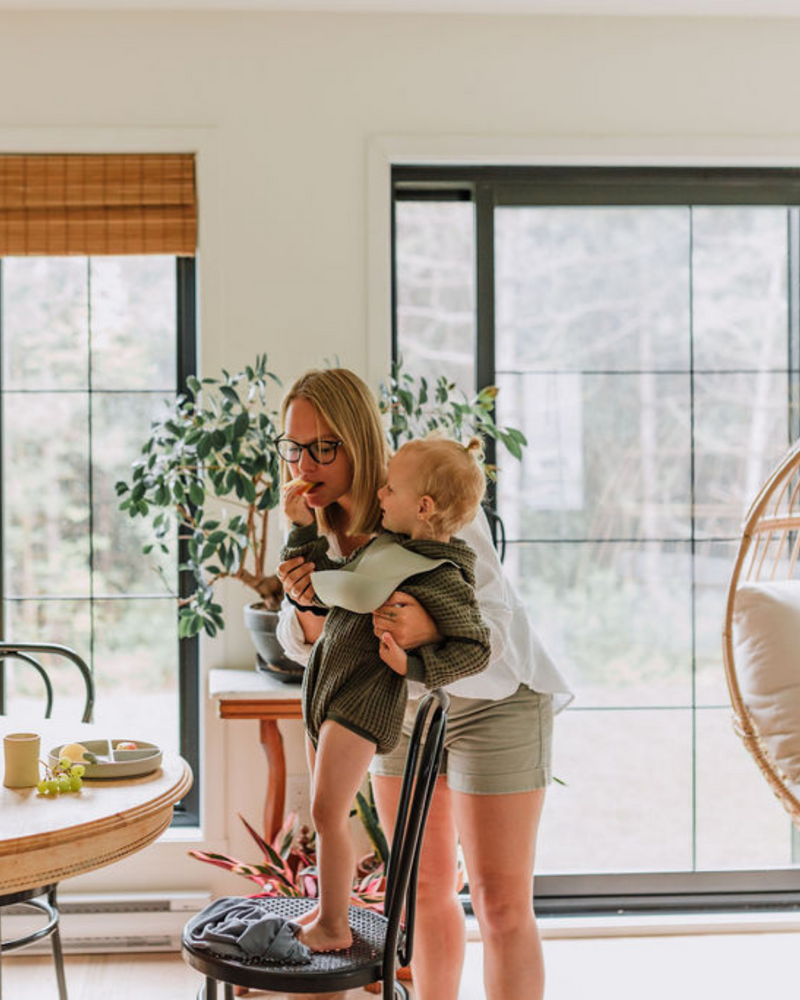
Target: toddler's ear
{"points": [[427, 505]]}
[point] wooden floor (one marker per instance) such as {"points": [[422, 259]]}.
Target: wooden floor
{"points": [[690, 967], [117, 977]]}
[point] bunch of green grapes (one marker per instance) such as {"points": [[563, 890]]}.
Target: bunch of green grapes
{"points": [[65, 776]]}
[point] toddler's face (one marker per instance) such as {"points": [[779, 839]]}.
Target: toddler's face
{"points": [[399, 498]]}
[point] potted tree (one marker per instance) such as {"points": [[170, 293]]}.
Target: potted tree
{"points": [[210, 465]]}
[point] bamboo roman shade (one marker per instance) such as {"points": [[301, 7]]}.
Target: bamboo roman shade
{"points": [[87, 205]]}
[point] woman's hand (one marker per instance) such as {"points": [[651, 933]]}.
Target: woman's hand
{"points": [[294, 504], [405, 619], [295, 575]]}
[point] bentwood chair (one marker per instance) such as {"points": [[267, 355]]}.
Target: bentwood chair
{"points": [[761, 633], [41, 898], [380, 941]]}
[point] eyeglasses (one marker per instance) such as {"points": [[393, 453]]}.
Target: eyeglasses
{"points": [[321, 452]]}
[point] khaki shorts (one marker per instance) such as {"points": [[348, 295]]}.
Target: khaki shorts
{"points": [[490, 747]]}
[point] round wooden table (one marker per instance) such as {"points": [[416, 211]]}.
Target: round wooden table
{"points": [[46, 839]]}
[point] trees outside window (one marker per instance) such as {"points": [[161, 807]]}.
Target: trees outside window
{"points": [[91, 349], [643, 329]]}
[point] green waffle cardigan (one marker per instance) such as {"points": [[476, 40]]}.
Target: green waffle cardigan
{"points": [[346, 680]]}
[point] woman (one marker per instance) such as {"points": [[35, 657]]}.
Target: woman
{"points": [[497, 752]]}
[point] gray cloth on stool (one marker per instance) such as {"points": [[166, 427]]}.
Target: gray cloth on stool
{"points": [[237, 927]]}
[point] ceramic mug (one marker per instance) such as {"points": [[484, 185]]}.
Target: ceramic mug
{"points": [[22, 760]]}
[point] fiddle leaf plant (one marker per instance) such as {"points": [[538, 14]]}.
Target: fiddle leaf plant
{"points": [[210, 464], [416, 407]]}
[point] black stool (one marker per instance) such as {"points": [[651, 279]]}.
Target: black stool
{"points": [[379, 942]]}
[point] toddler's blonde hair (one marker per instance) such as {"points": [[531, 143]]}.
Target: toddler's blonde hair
{"points": [[451, 474]]}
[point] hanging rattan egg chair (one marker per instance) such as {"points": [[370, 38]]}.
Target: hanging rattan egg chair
{"points": [[761, 633]]}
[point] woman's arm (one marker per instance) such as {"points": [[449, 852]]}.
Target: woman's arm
{"points": [[409, 623], [297, 629], [464, 649]]}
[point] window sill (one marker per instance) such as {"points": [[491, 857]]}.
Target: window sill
{"points": [[638, 925]]}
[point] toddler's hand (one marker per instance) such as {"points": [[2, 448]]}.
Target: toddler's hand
{"points": [[295, 506], [392, 655]]}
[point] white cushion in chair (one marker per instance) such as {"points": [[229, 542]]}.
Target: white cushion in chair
{"points": [[766, 640]]}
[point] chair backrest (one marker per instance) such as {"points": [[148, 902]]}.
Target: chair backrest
{"points": [[761, 632], [28, 653], [419, 781]]}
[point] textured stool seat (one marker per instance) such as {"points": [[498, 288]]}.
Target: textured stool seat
{"points": [[338, 970]]}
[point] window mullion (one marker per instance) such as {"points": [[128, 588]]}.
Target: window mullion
{"points": [[188, 810], [485, 361]]}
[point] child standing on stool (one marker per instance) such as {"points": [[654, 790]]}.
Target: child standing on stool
{"points": [[356, 685]]}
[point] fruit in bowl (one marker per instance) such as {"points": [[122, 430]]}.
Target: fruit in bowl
{"points": [[76, 752], [127, 745]]}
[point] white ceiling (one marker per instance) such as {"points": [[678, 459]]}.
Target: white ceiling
{"points": [[646, 8]]}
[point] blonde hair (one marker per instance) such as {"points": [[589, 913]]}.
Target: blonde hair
{"points": [[346, 404], [452, 475]]}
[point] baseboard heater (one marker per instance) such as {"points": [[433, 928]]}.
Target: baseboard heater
{"points": [[99, 923]]}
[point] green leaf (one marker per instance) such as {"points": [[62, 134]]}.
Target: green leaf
{"points": [[204, 446], [241, 424], [197, 494]]}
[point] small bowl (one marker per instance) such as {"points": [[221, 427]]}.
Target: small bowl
{"points": [[113, 762]]}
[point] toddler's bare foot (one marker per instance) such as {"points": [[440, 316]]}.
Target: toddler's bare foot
{"points": [[308, 917], [321, 938]]}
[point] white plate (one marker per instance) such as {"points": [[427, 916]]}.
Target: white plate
{"points": [[115, 763]]}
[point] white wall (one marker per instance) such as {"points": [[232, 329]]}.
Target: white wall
{"points": [[284, 112]]}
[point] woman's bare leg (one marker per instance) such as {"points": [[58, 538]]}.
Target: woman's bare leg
{"points": [[501, 888], [439, 935], [341, 763]]}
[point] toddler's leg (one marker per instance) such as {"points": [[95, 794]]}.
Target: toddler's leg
{"points": [[342, 760], [311, 757]]}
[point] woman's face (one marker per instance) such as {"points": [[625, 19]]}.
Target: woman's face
{"points": [[332, 482]]}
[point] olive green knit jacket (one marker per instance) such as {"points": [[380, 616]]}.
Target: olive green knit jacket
{"points": [[346, 680]]}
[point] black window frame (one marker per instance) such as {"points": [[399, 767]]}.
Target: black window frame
{"points": [[488, 187]]}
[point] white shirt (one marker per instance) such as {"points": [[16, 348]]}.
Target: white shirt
{"points": [[517, 656]]}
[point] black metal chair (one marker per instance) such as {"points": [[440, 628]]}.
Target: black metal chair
{"points": [[41, 898], [381, 942]]}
